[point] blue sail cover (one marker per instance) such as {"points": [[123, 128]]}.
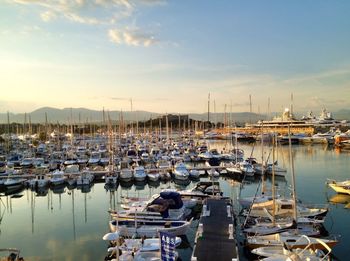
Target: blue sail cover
{"points": [[174, 199]]}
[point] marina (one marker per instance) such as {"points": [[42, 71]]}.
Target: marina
{"points": [[84, 209], [153, 130]]}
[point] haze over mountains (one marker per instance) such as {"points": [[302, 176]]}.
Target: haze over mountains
{"points": [[86, 115]]}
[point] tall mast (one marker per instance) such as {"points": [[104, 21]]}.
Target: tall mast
{"points": [[268, 109], [208, 107], [25, 123], [293, 175], [71, 125], [250, 109], [273, 179], [167, 128], [132, 123], [216, 117], [291, 104], [262, 158], [8, 133], [225, 117]]}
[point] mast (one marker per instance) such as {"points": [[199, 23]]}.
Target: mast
{"points": [[216, 117], [293, 176], [131, 118], [291, 104], [273, 180], [225, 117], [268, 109], [208, 107], [71, 126], [250, 108], [151, 123], [167, 128], [8, 133], [262, 159], [46, 126]]}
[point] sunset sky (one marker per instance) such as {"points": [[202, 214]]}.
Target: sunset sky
{"points": [[168, 55]]}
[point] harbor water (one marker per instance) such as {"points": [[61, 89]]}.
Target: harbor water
{"points": [[68, 223]]}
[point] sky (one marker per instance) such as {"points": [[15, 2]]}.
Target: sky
{"points": [[168, 55]]}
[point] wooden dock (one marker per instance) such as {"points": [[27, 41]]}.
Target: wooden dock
{"points": [[215, 237]]}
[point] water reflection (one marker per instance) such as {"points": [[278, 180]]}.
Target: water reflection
{"points": [[74, 219], [340, 199]]}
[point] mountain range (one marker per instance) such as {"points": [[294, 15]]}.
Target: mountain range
{"points": [[55, 115]]}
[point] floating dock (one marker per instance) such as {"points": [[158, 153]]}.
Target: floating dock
{"points": [[215, 237]]}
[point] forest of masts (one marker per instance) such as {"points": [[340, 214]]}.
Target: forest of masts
{"points": [[89, 127]]}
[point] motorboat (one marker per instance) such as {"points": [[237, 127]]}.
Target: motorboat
{"points": [[153, 176], [167, 205], [85, 178], [247, 168], [149, 228], [125, 249], [163, 212], [342, 187], [139, 173], [11, 254], [126, 173], [181, 172], [40, 181], [194, 174], [13, 183], [94, 158], [57, 178], [232, 168]]}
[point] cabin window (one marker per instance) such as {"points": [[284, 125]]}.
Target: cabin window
{"points": [[287, 207], [290, 240]]}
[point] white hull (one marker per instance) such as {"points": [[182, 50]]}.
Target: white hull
{"points": [[153, 177], [342, 187], [149, 230]]}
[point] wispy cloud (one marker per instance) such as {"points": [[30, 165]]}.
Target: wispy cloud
{"points": [[119, 99], [154, 99], [107, 12], [132, 37]]}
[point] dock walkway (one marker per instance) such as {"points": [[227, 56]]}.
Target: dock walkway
{"points": [[215, 238]]}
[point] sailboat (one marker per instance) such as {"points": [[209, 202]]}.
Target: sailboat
{"points": [[292, 238], [283, 252], [292, 241], [274, 226]]}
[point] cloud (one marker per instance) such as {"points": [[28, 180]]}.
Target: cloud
{"points": [[47, 16], [98, 12], [73, 10], [119, 99], [131, 37]]}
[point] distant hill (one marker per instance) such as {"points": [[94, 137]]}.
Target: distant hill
{"points": [[83, 115], [78, 114], [237, 117], [343, 114]]}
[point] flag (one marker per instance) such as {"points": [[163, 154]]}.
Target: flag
{"points": [[167, 246]]}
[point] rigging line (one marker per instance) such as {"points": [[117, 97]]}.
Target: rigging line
{"points": [[250, 208]]}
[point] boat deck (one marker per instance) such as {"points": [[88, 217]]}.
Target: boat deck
{"points": [[213, 239]]}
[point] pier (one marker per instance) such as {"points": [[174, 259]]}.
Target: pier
{"points": [[215, 237]]}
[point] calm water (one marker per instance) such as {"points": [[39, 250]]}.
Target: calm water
{"points": [[69, 224]]}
